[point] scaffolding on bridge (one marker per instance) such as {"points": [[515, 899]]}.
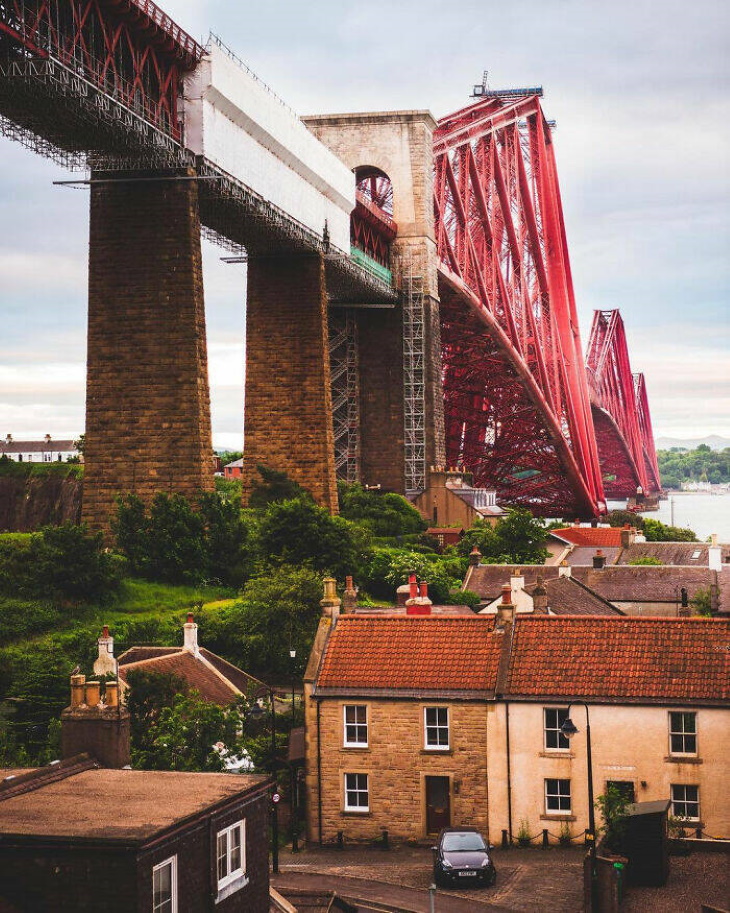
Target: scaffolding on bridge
{"points": [[414, 376], [344, 373]]}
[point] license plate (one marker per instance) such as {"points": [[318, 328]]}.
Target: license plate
{"points": [[467, 874]]}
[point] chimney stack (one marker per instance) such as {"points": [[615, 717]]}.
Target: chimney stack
{"points": [[565, 570], [105, 664], [95, 726], [190, 635], [331, 602], [349, 601], [599, 560], [539, 597], [517, 583], [683, 609], [475, 557], [505, 609], [627, 536], [714, 554], [419, 603]]}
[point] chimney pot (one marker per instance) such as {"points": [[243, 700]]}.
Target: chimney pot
{"points": [[505, 609], [424, 590], [111, 694], [92, 694], [330, 603], [77, 690], [413, 585]]}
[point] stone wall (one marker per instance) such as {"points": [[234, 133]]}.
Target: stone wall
{"points": [[397, 765], [26, 504], [288, 407], [147, 399]]}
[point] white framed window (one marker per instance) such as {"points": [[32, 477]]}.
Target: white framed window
{"points": [[357, 795], [557, 797], [682, 732], [553, 719], [164, 886], [355, 725], [231, 853], [436, 728], [686, 802]]}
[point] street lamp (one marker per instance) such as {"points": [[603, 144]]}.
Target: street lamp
{"points": [[294, 805], [257, 713], [569, 729]]}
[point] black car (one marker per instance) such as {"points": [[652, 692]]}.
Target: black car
{"points": [[462, 857]]}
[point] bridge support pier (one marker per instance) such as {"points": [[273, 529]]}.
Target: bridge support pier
{"points": [[147, 398], [288, 423]]}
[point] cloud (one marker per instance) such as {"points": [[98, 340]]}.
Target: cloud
{"points": [[642, 148]]}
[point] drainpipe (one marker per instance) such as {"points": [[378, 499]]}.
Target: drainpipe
{"points": [[509, 775], [319, 771]]}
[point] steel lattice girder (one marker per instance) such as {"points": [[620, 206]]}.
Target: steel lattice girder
{"points": [[613, 394], [647, 433], [128, 49], [503, 254]]}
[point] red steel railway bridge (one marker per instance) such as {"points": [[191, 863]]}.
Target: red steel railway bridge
{"points": [[409, 299]]}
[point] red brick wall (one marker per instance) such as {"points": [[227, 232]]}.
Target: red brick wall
{"points": [[147, 399]]}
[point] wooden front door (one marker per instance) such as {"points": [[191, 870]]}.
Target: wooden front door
{"points": [[438, 804]]}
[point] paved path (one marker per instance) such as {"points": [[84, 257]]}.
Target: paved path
{"points": [[528, 881]]}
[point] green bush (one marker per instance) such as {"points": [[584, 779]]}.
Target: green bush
{"points": [[646, 560], [175, 541], [385, 514], [518, 538], [300, 533]]}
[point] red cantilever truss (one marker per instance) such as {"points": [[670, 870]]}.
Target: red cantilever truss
{"points": [[647, 434], [516, 400], [620, 411], [129, 49]]}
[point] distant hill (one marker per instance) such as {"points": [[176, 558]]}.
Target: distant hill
{"points": [[713, 441]]}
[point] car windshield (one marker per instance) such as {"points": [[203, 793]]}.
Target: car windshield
{"points": [[462, 843]]}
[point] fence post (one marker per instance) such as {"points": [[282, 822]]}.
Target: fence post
{"points": [[545, 843]]}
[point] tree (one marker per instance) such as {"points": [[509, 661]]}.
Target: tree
{"points": [[385, 514], [518, 538], [656, 531], [278, 611], [702, 603], [68, 562], [275, 486], [300, 533], [185, 733], [388, 568], [149, 693], [175, 542]]}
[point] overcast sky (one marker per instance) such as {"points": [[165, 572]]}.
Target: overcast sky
{"points": [[639, 89]]}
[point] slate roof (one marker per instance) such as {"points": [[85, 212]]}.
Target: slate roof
{"points": [[567, 596], [130, 805], [624, 659], [592, 537], [51, 446], [678, 553], [413, 653], [624, 583], [583, 556], [218, 681], [487, 580]]}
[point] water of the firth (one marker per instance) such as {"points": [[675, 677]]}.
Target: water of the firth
{"points": [[703, 513]]}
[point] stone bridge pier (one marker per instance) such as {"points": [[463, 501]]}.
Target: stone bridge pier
{"points": [[400, 144], [147, 398]]}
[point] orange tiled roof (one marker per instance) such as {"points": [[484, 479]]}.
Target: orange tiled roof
{"points": [[621, 658], [199, 675], [412, 652], [592, 537]]}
